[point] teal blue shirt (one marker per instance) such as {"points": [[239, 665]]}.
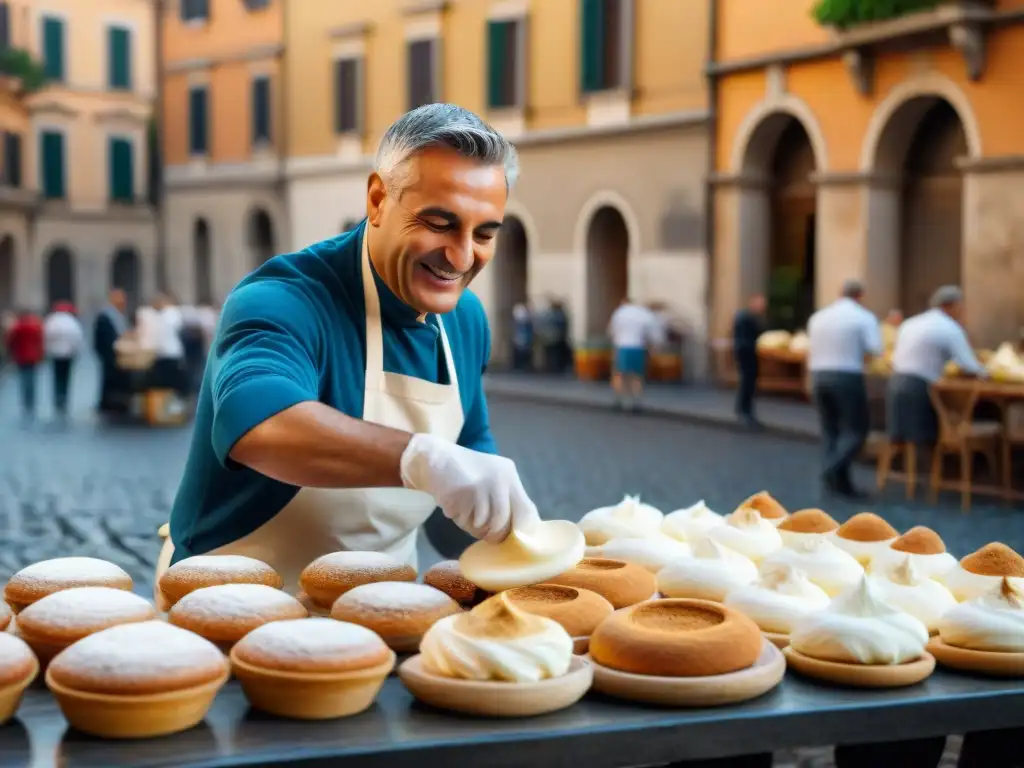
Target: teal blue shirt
{"points": [[294, 331]]}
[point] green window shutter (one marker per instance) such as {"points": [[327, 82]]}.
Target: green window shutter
{"points": [[497, 58], [119, 56], [592, 46], [122, 171], [53, 49], [198, 121], [51, 152]]}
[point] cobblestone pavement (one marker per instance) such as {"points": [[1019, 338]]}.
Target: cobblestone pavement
{"points": [[103, 491]]}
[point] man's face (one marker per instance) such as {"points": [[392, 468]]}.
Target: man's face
{"points": [[955, 310], [757, 305], [435, 238], [118, 300]]}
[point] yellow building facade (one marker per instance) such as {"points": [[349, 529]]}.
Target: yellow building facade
{"points": [[74, 207], [890, 151], [605, 99], [223, 137]]}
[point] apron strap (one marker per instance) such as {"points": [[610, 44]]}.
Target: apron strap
{"points": [[374, 329]]}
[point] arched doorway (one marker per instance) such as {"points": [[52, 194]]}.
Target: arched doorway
{"points": [[124, 274], [202, 264], [607, 267], [510, 281], [7, 274], [60, 276], [261, 237]]}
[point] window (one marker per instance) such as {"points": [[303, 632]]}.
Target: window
{"points": [[257, 5], [195, 10], [53, 48], [198, 121], [5, 25], [347, 95], [119, 58], [12, 159], [422, 72], [504, 63], [261, 110], [605, 44], [52, 163], [122, 170]]}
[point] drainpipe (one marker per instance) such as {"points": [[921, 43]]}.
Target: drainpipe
{"points": [[709, 186], [285, 233], [158, 156]]}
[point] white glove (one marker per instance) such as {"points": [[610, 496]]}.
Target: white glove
{"points": [[479, 492]]}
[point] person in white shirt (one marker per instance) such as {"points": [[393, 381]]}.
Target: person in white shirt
{"points": [[924, 345], [841, 336], [63, 339], [169, 367], [631, 329]]}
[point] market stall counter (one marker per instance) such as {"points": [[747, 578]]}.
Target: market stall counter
{"points": [[598, 732]]}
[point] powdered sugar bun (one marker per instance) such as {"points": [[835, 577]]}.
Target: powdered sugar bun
{"points": [[329, 577], [400, 612], [225, 613], [199, 571], [312, 645], [138, 659], [16, 660], [38, 580], [447, 577], [71, 614], [5, 616]]}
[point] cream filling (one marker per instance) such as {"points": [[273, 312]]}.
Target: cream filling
{"points": [[966, 585], [652, 553], [908, 589], [823, 562], [864, 551], [748, 533], [992, 622], [528, 557], [709, 574], [692, 523], [630, 518], [781, 599], [929, 566]]}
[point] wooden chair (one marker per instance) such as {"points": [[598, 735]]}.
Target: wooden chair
{"points": [[959, 434], [887, 454], [1013, 436]]}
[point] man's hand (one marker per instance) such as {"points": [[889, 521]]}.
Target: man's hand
{"points": [[480, 493]]}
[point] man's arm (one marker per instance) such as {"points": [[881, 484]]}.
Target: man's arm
{"points": [[872, 336], [960, 351], [476, 431]]}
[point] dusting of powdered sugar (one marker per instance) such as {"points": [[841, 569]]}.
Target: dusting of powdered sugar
{"points": [[394, 596], [236, 601], [304, 639], [81, 608], [227, 564], [70, 570], [358, 560], [13, 650]]}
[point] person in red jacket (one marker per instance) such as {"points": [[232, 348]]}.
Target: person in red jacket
{"points": [[26, 348]]}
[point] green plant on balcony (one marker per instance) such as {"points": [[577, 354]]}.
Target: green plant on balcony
{"points": [[849, 13], [15, 62]]}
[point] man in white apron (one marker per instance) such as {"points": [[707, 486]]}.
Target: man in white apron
{"points": [[343, 399]]}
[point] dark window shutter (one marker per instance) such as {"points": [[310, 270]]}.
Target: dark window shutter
{"points": [[194, 9], [197, 126], [497, 63], [52, 165], [346, 95], [12, 159], [122, 171], [420, 76], [5, 25], [53, 48], [261, 109], [119, 58], [612, 43], [592, 46]]}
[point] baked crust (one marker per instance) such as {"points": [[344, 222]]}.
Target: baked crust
{"points": [[200, 571], [809, 521], [38, 580], [16, 660], [866, 526], [447, 577], [226, 613], [400, 612], [578, 610], [621, 584], [329, 577], [995, 559], [920, 540], [63, 617], [314, 645]]}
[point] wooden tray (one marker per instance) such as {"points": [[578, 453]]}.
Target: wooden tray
{"points": [[711, 691], [862, 675], [994, 663], [778, 640], [497, 699]]}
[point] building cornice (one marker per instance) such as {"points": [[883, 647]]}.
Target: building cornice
{"points": [[64, 211], [993, 164], [254, 53], [200, 175]]}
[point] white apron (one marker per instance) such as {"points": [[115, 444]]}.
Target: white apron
{"points": [[318, 521]]}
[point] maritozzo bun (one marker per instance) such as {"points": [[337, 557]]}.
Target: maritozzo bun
{"points": [[447, 577], [620, 583], [399, 611], [38, 580], [200, 571], [226, 613], [329, 577]]}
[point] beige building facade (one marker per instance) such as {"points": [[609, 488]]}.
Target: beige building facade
{"points": [[605, 99]]}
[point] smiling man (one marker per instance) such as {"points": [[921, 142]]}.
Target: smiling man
{"points": [[343, 394]]}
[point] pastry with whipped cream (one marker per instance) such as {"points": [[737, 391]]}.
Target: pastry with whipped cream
{"points": [[653, 553], [709, 574], [767, 506], [865, 535], [825, 564], [907, 588], [858, 627], [779, 599], [497, 641], [923, 546], [692, 523], [748, 533], [620, 583], [981, 571], [992, 622], [629, 518], [807, 524], [525, 557]]}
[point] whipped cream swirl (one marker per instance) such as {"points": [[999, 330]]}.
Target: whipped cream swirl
{"points": [[630, 518], [653, 553], [991, 622], [748, 533], [781, 598], [966, 585], [823, 562], [928, 566], [709, 574], [692, 523], [905, 587]]}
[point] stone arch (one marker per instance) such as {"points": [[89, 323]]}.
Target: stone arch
{"points": [[60, 275], [125, 273], [202, 262], [8, 273], [755, 133], [607, 251], [260, 236], [510, 283]]}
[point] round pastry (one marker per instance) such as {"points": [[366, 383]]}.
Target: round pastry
{"points": [[982, 571], [908, 589], [399, 611], [629, 518], [618, 582], [865, 535], [329, 577], [447, 577], [748, 533], [691, 523], [652, 553], [225, 613], [579, 611], [781, 598], [199, 571], [825, 564], [923, 546], [806, 523], [708, 575], [767, 506], [5, 616], [497, 641], [18, 668], [991, 622], [56, 621], [859, 628], [676, 638], [524, 557], [38, 580]]}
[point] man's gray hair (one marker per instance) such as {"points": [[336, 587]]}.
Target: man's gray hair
{"points": [[443, 125], [853, 289], [946, 295]]}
